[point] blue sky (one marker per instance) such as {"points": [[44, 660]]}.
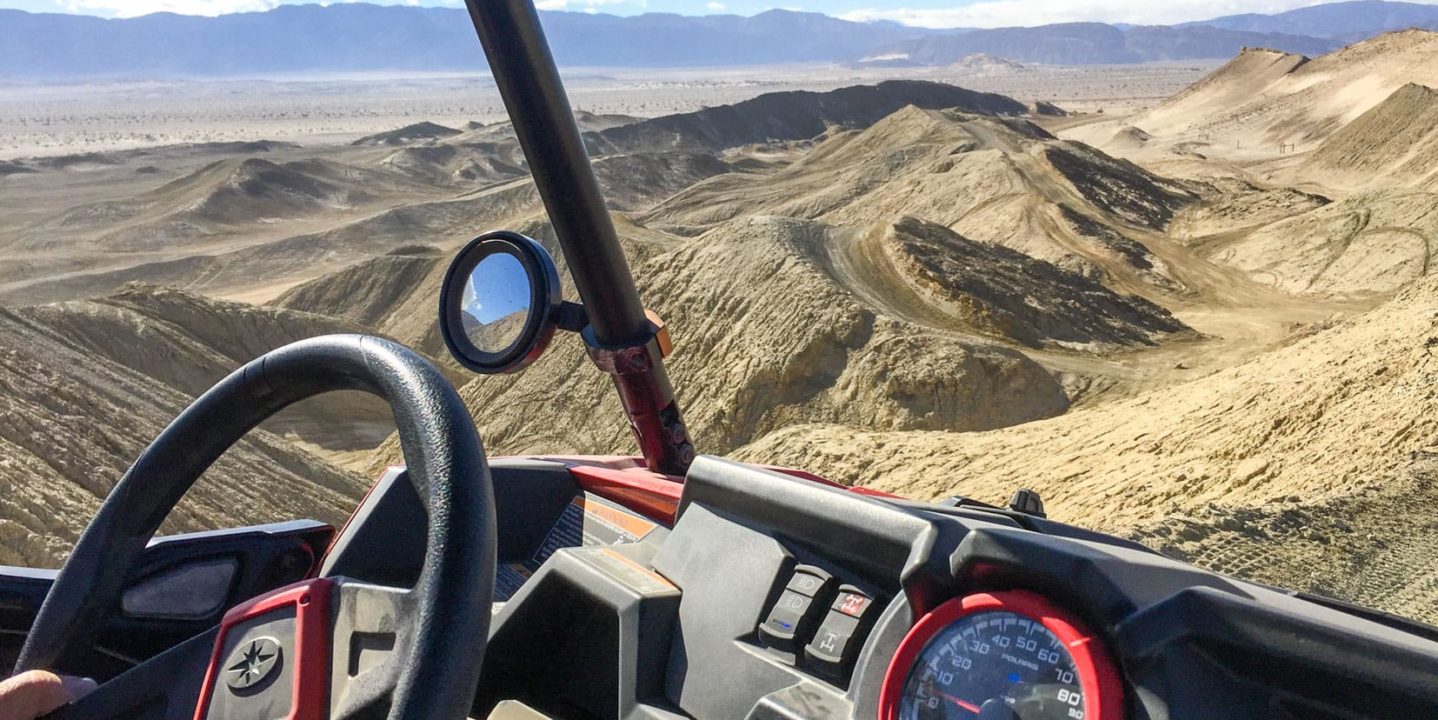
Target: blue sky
{"points": [[929, 13]]}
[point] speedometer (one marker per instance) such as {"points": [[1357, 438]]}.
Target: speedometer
{"points": [[1000, 656]]}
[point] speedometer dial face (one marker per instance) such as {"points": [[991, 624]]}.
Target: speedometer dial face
{"points": [[1002, 656], [994, 664]]}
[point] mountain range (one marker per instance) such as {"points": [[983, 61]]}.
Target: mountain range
{"points": [[1346, 21], [358, 37]]}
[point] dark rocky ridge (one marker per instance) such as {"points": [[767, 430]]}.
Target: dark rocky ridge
{"points": [[797, 115]]}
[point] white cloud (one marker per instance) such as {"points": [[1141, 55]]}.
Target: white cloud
{"points": [[1002, 13], [715, 6], [135, 8]]}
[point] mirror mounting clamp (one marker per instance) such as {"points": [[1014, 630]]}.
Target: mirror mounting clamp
{"points": [[662, 436]]}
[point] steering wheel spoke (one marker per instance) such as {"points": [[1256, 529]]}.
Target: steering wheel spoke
{"points": [[373, 626]]}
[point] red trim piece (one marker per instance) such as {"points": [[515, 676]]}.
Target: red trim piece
{"points": [[649, 494], [1098, 677], [310, 599], [625, 479]]}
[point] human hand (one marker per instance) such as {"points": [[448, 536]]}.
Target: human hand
{"points": [[35, 693]]}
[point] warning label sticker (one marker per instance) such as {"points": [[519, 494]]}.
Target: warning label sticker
{"points": [[588, 521]]}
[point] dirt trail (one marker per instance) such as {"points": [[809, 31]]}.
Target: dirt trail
{"points": [[1236, 317]]}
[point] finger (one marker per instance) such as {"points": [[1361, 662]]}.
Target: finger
{"points": [[31, 694], [78, 687]]}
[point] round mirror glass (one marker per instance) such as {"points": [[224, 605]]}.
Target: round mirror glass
{"points": [[496, 303]]}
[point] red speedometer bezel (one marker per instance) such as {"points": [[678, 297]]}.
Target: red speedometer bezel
{"points": [[1099, 679]]}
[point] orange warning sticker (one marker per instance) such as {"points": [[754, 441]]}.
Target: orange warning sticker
{"points": [[599, 509], [588, 521]]}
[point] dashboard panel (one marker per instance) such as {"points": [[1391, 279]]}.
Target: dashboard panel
{"points": [[773, 597]]}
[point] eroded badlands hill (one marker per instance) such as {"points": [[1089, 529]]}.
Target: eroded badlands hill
{"points": [[994, 180], [72, 419]]}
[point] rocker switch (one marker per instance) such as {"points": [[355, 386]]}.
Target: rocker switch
{"points": [[792, 618], [835, 644]]}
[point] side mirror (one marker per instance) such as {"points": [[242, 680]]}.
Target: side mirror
{"points": [[500, 303]]}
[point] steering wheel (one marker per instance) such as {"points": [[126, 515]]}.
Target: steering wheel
{"points": [[322, 648]]}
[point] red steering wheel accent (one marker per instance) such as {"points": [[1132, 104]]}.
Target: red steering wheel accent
{"points": [[309, 601]]}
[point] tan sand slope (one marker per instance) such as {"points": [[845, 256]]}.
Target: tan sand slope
{"points": [[1235, 206], [1264, 99], [218, 200], [189, 343], [1395, 143], [1337, 411], [1296, 467], [1370, 243], [395, 295], [453, 163], [72, 420], [207, 253], [369, 291]]}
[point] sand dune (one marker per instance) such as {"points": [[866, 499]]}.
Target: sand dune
{"points": [[1394, 143], [990, 289], [408, 134], [217, 200], [189, 342], [1265, 99], [764, 294], [466, 164]]}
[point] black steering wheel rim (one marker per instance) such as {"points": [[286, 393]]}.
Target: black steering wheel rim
{"points": [[446, 464]]}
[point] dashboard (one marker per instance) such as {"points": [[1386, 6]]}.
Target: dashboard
{"points": [[771, 597]]}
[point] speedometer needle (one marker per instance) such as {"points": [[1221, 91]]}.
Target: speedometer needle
{"points": [[961, 703]]}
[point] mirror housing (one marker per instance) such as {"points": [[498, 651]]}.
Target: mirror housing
{"points": [[500, 303]]}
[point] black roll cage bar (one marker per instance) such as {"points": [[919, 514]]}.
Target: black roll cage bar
{"points": [[622, 339]]}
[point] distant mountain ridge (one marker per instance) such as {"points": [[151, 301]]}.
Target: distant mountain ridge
{"points": [[1348, 21], [350, 37], [1097, 44], [359, 37]]}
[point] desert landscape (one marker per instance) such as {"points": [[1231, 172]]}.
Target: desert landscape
{"points": [[1188, 302]]}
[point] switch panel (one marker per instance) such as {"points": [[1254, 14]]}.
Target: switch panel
{"points": [[792, 618]]}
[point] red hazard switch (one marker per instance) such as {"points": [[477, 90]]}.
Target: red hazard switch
{"points": [[853, 604]]}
